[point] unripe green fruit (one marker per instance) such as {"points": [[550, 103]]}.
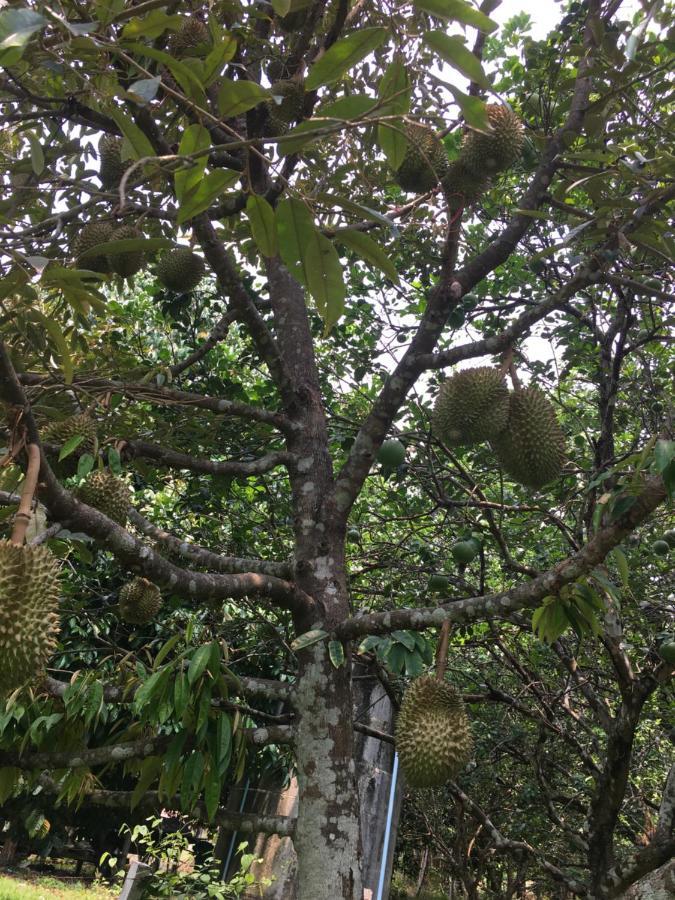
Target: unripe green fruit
{"points": [[353, 534], [661, 548], [669, 536], [438, 583], [667, 652], [464, 551], [391, 454]]}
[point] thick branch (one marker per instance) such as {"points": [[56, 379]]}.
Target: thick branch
{"points": [[175, 460], [523, 596], [214, 562]]}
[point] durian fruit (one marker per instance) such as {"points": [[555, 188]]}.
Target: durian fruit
{"points": [[282, 114], [29, 621], [59, 432], [425, 162], [531, 449], [483, 153], [127, 263], [472, 406], [192, 39], [112, 168], [433, 737], [107, 493], [93, 234], [139, 601], [461, 187], [180, 270]]}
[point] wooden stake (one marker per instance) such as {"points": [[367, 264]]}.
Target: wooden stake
{"points": [[24, 513], [442, 650]]}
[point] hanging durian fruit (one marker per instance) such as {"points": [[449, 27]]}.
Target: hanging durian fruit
{"points": [[58, 433], [472, 406], [128, 262], [531, 449], [486, 153], [193, 38], [107, 493], [180, 270], [425, 162], [282, 114], [461, 187], [433, 737], [112, 168], [29, 621], [139, 601], [90, 236]]}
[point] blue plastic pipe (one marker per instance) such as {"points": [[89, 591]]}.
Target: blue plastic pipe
{"points": [[387, 830]]}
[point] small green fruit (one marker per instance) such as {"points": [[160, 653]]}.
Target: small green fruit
{"points": [[353, 534], [391, 454], [464, 551], [667, 652], [661, 548], [669, 536], [438, 583]]}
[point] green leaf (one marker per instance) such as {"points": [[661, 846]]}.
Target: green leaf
{"points": [[140, 144], [344, 54], [115, 463], [325, 279], [664, 454], [406, 638], [59, 341], [70, 445], [223, 742], [149, 688], [369, 250], [184, 74], [210, 187], [336, 651], [281, 7], [166, 649], [212, 789], [414, 665], [181, 694], [473, 109], [359, 209], [216, 59], [395, 658], [308, 638], [84, 465], [453, 50], [457, 11], [150, 769], [263, 225], [294, 229], [235, 97], [394, 94], [198, 663], [144, 90], [195, 139], [17, 26], [192, 778], [37, 157], [622, 565], [150, 26]]}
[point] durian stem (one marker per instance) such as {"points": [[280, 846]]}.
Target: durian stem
{"points": [[515, 381], [442, 650], [24, 513], [507, 361]]}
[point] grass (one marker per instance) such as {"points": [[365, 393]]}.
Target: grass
{"points": [[15, 887]]}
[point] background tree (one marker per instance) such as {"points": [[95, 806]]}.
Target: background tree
{"points": [[242, 393]]}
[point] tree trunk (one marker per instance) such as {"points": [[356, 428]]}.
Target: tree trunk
{"points": [[327, 836]]}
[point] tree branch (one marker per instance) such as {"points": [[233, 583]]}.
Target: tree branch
{"points": [[522, 596], [175, 460]]}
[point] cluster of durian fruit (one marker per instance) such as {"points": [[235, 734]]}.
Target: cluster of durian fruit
{"points": [[483, 154], [521, 426], [433, 735]]}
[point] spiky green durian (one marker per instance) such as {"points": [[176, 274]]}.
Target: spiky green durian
{"points": [[107, 493], [59, 433], [93, 234], [433, 737], [283, 112], [192, 39], [461, 187], [129, 262], [472, 406], [180, 270], [486, 153], [29, 620], [425, 162], [531, 449], [139, 601], [112, 168]]}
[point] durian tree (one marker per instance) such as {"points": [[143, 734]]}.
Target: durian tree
{"points": [[244, 250]]}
